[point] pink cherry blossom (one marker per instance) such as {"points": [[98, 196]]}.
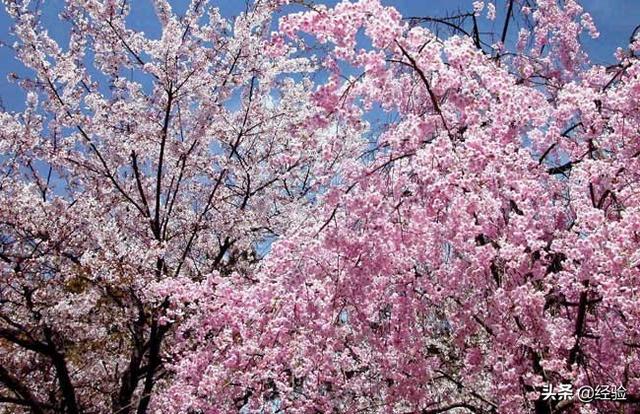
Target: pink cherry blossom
{"points": [[314, 209]]}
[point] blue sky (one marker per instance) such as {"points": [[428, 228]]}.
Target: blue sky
{"points": [[615, 19]]}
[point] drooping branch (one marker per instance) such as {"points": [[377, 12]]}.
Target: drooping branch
{"points": [[507, 18], [425, 81]]}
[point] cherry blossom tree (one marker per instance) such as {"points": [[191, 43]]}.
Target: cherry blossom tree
{"points": [[140, 167], [476, 246], [486, 244]]}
